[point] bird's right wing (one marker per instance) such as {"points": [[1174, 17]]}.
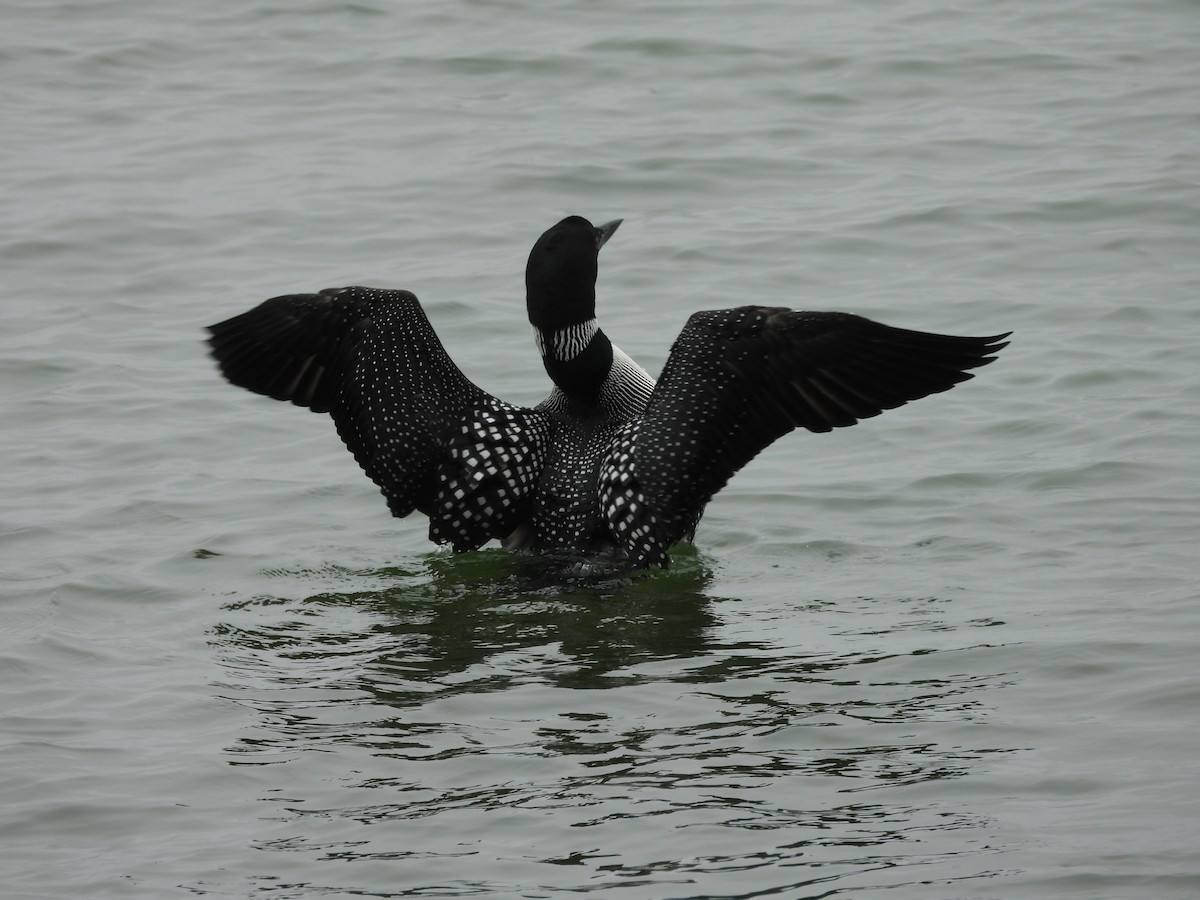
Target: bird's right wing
{"points": [[738, 379], [416, 424]]}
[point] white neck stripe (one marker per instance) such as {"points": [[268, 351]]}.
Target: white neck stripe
{"points": [[566, 343]]}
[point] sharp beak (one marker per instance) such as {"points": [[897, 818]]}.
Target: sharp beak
{"points": [[605, 231]]}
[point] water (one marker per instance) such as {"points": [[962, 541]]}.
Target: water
{"points": [[948, 653]]}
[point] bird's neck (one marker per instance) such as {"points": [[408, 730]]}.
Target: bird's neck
{"points": [[577, 358]]}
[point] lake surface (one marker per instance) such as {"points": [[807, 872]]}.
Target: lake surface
{"points": [[948, 653]]}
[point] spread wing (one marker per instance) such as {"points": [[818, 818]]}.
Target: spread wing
{"points": [[420, 429], [738, 379]]}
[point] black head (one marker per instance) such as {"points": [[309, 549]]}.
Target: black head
{"points": [[560, 277]]}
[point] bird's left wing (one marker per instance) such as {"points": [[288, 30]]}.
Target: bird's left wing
{"points": [[738, 379], [430, 438]]}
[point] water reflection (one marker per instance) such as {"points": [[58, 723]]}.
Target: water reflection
{"points": [[607, 733], [448, 628]]}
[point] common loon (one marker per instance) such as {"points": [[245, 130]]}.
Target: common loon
{"points": [[611, 463]]}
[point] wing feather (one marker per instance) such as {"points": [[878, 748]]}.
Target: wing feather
{"points": [[738, 379], [421, 430]]}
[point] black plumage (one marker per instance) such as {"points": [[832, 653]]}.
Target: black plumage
{"points": [[611, 462], [425, 434]]}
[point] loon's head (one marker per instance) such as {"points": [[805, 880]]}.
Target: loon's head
{"points": [[560, 297], [560, 277]]}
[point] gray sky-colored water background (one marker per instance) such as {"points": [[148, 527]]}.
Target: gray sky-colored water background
{"points": [[947, 653]]}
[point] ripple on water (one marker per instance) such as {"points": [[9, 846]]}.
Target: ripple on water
{"points": [[535, 725]]}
